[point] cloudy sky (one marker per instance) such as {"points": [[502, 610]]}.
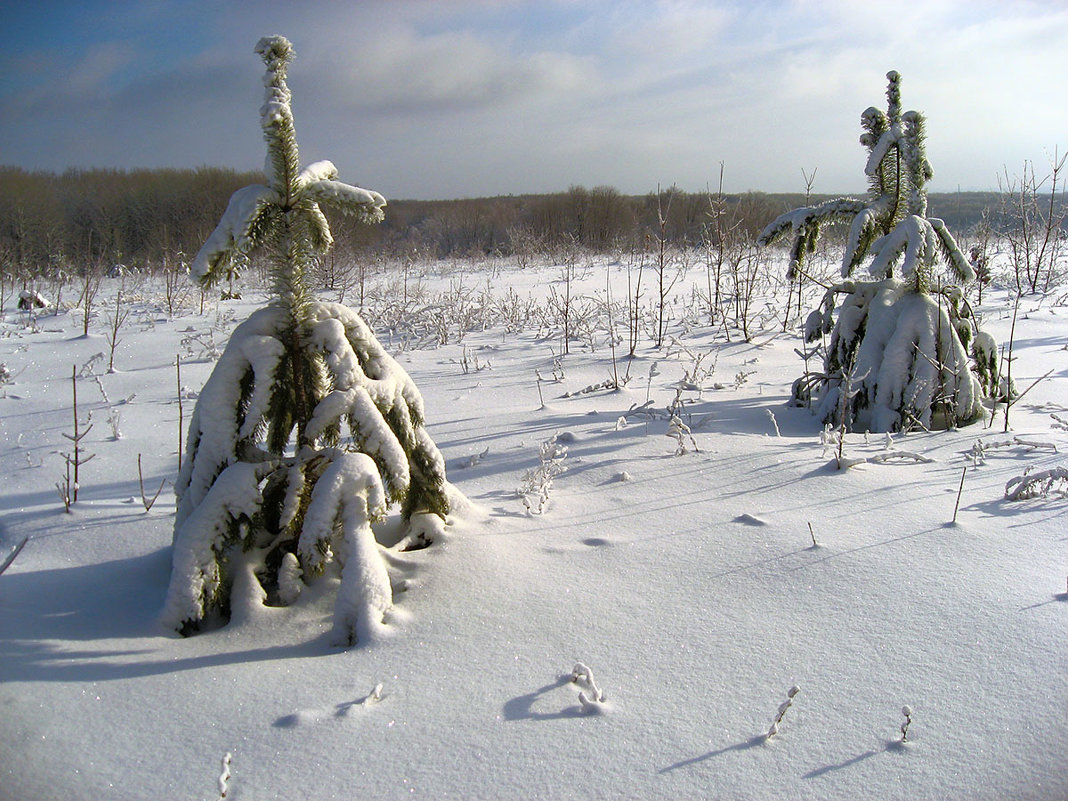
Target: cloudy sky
{"points": [[464, 98]]}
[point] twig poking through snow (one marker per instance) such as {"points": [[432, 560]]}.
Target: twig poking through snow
{"points": [[1034, 485], [682, 435], [145, 500], [224, 777], [534, 491], [906, 710], [774, 422], [793, 691], [960, 489], [583, 677], [14, 553], [887, 456], [474, 459]]}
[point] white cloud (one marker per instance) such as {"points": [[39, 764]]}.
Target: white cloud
{"points": [[464, 97], [99, 66]]}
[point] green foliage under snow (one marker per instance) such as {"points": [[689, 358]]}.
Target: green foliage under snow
{"points": [[899, 340], [307, 431]]}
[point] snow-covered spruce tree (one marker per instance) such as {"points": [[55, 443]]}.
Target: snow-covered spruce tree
{"points": [[307, 431], [901, 340]]}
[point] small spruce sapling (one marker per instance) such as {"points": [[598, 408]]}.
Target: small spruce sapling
{"points": [[307, 432], [904, 333]]}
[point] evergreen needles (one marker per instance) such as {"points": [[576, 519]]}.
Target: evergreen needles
{"points": [[905, 332], [307, 431]]}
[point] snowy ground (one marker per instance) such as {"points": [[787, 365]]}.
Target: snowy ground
{"points": [[689, 584]]}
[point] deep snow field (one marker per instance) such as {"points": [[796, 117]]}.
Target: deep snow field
{"points": [[688, 583]]}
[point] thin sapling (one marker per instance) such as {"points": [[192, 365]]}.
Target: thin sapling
{"points": [[307, 432]]}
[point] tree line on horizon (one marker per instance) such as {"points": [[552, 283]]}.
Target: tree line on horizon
{"points": [[93, 219]]}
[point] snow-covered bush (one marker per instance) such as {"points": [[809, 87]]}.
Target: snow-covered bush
{"points": [[903, 337], [307, 431], [534, 491]]}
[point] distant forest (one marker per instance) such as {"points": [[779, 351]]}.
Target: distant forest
{"points": [[149, 219]]}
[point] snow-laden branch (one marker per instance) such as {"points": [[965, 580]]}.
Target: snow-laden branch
{"points": [[1034, 485], [236, 232], [914, 238], [203, 537], [348, 199], [347, 497]]}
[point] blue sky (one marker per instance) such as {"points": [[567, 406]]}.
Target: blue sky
{"points": [[462, 98]]}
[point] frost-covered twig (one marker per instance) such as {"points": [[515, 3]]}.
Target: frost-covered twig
{"points": [[14, 553], [906, 710], [474, 459], [115, 422], [201, 347], [978, 452], [889, 456], [374, 696], [5, 379], [790, 694], [654, 370], [774, 422], [145, 500], [534, 491], [644, 410], [224, 776], [607, 384], [88, 370], [472, 364], [590, 696], [89, 367], [829, 439], [1034, 485], [1035, 445], [741, 377], [681, 433]]}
